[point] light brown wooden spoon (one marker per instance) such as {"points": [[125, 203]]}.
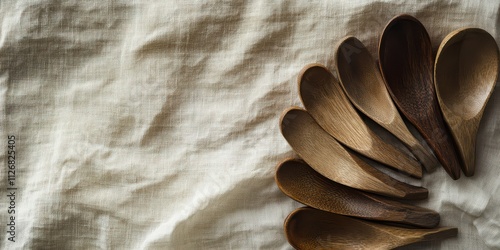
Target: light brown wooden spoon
{"points": [[308, 228], [301, 183], [327, 103], [465, 75], [406, 62], [363, 84], [323, 153]]}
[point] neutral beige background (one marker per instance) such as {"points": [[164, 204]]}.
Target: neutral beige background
{"points": [[154, 124]]}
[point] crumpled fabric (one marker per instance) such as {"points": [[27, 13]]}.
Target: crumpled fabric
{"points": [[154, 124]]}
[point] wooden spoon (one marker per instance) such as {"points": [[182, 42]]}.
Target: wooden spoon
{"points": [[323, 153], [405, 54], [308, 228], [327, 103], [363, 84], [465, 74], [301, 183]]}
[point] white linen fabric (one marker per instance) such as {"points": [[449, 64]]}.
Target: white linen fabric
{"points": [[154, 124]]}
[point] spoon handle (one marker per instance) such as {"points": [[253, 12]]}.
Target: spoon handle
{"points": [[465, 135], [423, 155], [436, 134], [438, 233]]}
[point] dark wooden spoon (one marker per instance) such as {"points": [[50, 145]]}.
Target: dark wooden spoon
{"points": [[308, 228], [465, 75], [323, 153], [406, 63], [301, 183]]}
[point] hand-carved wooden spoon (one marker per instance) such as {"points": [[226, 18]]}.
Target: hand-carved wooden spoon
{"points": [[465, 75], [405, 55], [363, 84], [323, 153], [308, 228], [327, 103], [301, 183]]}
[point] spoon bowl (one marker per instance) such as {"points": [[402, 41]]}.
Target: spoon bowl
{"points": [[363, 84], [406, 62], [308, 228], [323, 153], [301, 183], [465, 75]]}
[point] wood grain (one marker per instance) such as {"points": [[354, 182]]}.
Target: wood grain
{"points": [[301, 183], [323, 153], [308, 228], [465, 74], [406, 63], [324, 99], [361, 80]]}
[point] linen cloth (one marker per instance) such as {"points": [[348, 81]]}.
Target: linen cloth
{"points": [[154, 124]]}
